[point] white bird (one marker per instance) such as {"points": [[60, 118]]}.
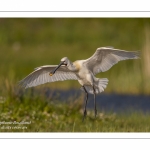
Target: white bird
{"points": [[82, 70]]}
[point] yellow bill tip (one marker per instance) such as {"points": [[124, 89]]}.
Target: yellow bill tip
{"points": [[50, 74]]}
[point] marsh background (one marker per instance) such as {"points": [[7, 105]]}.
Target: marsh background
{"points": [[28, 43]]}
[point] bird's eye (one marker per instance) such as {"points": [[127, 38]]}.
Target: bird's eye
{"points": [[65, 63]]}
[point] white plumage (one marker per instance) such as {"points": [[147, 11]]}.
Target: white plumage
{"points": [[41, 76], [82, 70]]}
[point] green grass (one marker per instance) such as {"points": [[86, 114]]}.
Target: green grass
{"points": [[51, 115]]}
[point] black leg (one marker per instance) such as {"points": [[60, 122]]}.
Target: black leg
{"points": [[95, 101], [85, 113]]}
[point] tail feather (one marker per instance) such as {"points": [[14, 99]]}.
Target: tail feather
{"points": [[100, 85]]}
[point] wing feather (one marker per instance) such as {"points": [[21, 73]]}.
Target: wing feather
{"points": [[105, 57], [41, 76]]}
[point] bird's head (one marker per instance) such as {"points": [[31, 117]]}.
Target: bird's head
{"points": [[63, 61]]}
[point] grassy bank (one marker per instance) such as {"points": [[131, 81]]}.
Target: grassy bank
{"points": [[39, 114]]}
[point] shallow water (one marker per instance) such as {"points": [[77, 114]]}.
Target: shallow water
{"points": [[107, 102]]}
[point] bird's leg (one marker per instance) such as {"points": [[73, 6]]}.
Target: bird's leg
{"points": [[95, 101], [85, 113]]}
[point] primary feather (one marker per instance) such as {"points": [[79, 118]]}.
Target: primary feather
{"points": [[105, 57], [41, 76]]}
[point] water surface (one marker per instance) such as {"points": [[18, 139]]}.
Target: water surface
{"points": [[106, 102]]}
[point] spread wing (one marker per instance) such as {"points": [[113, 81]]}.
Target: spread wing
{"points": [[105, 57], [41, 76]]}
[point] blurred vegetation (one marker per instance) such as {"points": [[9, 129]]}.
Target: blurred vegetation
{"points": [[28, 43]]}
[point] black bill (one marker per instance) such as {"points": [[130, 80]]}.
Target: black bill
{"points": [[51, 73]]}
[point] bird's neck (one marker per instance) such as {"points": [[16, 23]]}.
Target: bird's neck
{"points": [[71, 66]]}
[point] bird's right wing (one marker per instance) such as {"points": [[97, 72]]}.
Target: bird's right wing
{"points": [[105, 57], [41, 76]]}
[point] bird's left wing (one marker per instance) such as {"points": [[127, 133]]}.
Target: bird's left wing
{"points": [[41, 76], [105, 57]]}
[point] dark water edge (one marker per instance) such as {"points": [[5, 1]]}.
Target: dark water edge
{"points": [[105, 102], [113, 102]]}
